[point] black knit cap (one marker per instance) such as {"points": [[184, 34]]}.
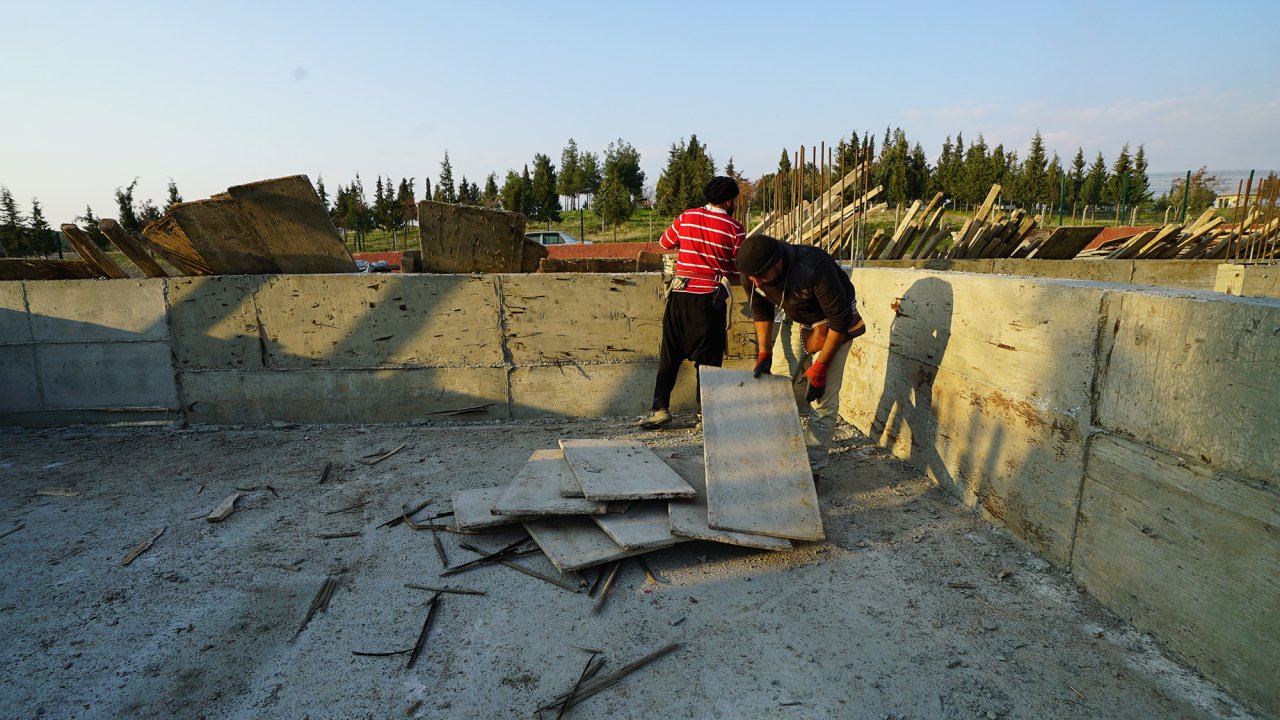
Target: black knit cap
{"points": [[758, 253], [720, 189]]}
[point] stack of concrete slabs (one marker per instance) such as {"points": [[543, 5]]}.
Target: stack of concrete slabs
{"points": [[473, 509], [689, 517], [622, 470], [758, 478], [645, 525], [573, 543], [535, 491]]}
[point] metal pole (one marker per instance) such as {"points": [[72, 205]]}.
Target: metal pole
{"points": [[1186, 191], [1062, 198]]}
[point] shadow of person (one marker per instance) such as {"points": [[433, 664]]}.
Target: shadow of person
{"points": [[918, 339]]}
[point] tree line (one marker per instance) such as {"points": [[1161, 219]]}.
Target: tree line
{"points": [[29, 233]]}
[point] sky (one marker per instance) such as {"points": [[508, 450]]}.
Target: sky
{"points": [[218, 94]]}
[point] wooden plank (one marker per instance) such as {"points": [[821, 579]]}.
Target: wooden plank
{"points": [[536, 489], [573, 543], [131, 248], [689, 517], [473, 509], [1065, 243], [91, 253], [622, 470], [645, 525], [217, 231], [287, 216], [38, 269], [166, 238], [758, 478]]}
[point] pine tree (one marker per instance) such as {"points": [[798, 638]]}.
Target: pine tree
{"points": [[12, 232], [570, 182], [42, 236], [1119, 183], [89, 223], [1034, 185], [917, 173], [1139, 183], [1053, 190], [515, 196], [445, 191], [124, 202], [784, 172], [1075, 180], [975, 181], [670, 187], [490, 197], [426, 188], [148, 213], [627, 159], [174, 198], [1095, 182], [406, 203], [614, 203], [545, 203], [590, 174], [324, 196]]}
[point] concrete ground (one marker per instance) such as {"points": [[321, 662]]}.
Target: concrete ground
{"points": [[913, 608]]}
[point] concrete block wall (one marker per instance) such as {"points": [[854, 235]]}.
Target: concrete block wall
{"points": [[1128, 435], [335, 348], [1186, 274]]}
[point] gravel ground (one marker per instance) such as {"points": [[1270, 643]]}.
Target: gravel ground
{"points": [[912, 608]]}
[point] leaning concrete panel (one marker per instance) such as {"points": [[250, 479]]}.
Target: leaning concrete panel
{"points": [[361, 321], [582, 317], [214, 323], [18, 378], [689, 517], [106, 375], [1195, 375], [1189, 554], [15, 326], [80, 311], [344, 396]]}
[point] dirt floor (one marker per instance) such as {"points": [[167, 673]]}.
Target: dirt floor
{"points": [[913, 608]]}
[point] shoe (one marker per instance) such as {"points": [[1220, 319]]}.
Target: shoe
{"points": [[656, 419]]}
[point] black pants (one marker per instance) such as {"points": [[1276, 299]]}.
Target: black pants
{"points": [[692, 329]]}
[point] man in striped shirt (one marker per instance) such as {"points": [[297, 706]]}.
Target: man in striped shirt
{"points": [[693, 327]]}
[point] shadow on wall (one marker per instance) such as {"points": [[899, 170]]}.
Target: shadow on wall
{"points": [[918, 338]]}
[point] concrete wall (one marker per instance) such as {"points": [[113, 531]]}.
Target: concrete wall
{"points": [[334, 348], [1186, 274], [1126, 434]]}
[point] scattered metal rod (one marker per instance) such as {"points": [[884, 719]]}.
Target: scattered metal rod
{"points": [[337, 536], [142, 547], [319, 603], [648, 571], [12, 530], [404, 514], [595, 586], [432, 526], [456, 591], [528, 571], [426, 629], [463, 410], [381, 654], [608, 585], [324, 475], [589, 671], [485, 557], [962, 586], [377, 458], [349, 508], [256, 489], [591, 688], [435, 540]]}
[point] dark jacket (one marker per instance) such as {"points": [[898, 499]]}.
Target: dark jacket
{"points": [[811, 289]]}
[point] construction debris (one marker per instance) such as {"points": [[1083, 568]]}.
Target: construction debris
{"points": [[142, 547], [426, 630], [319, 603], [582, 691], [376, 458], [224, 509]]}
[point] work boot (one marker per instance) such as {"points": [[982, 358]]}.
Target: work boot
{"points": [[656, 419]]}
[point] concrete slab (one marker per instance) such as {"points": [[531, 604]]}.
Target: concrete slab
{"points": [[622, 470], [18, 377], [107, 375], [360, 321], [473, 509], [324, 395], [214, 322], [758, 478], [573, 543], [1201, 559], [81, 311], [645, 525], [535, 491], [569, 485], [689, 517], [15, 325]]}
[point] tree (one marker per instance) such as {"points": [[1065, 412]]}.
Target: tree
{"points": [[977, 173], [324, 196], [614, 203], [1075, 179], [490, 197], [174, 198], [468, 192], [43, 239], [1053, 195], [1118, 184], [571, 181], [627, 160], [148, 213], [1034, 185], [1199, 194], [517, 192], [445, 191], [1095, 182], [1139, 183], [689, 169], [406, 202], [13, 239], [591, 177], [124, 202], [784, 172], [90, 223], [544, 202]]}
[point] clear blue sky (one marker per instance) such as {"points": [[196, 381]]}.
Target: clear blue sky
{"points": [[216, 94]]}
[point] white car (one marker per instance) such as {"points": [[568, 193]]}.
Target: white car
{"points": [[555, 237]]}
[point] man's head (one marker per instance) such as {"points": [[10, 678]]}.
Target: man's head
{"points": [[722, 192], [760, 259]]}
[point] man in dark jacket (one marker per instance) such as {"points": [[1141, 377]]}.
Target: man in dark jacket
{"points": [[820, 318]]}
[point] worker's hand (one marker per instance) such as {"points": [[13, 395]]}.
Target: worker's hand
{"points": [[817, 375], [763, 362]]}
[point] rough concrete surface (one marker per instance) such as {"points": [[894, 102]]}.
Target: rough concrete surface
{"points": [[913, 606]]}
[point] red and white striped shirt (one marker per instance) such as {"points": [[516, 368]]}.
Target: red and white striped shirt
{"points": [[708, 239]]}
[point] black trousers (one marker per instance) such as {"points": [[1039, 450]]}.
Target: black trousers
{"points": [[692, 329]]}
